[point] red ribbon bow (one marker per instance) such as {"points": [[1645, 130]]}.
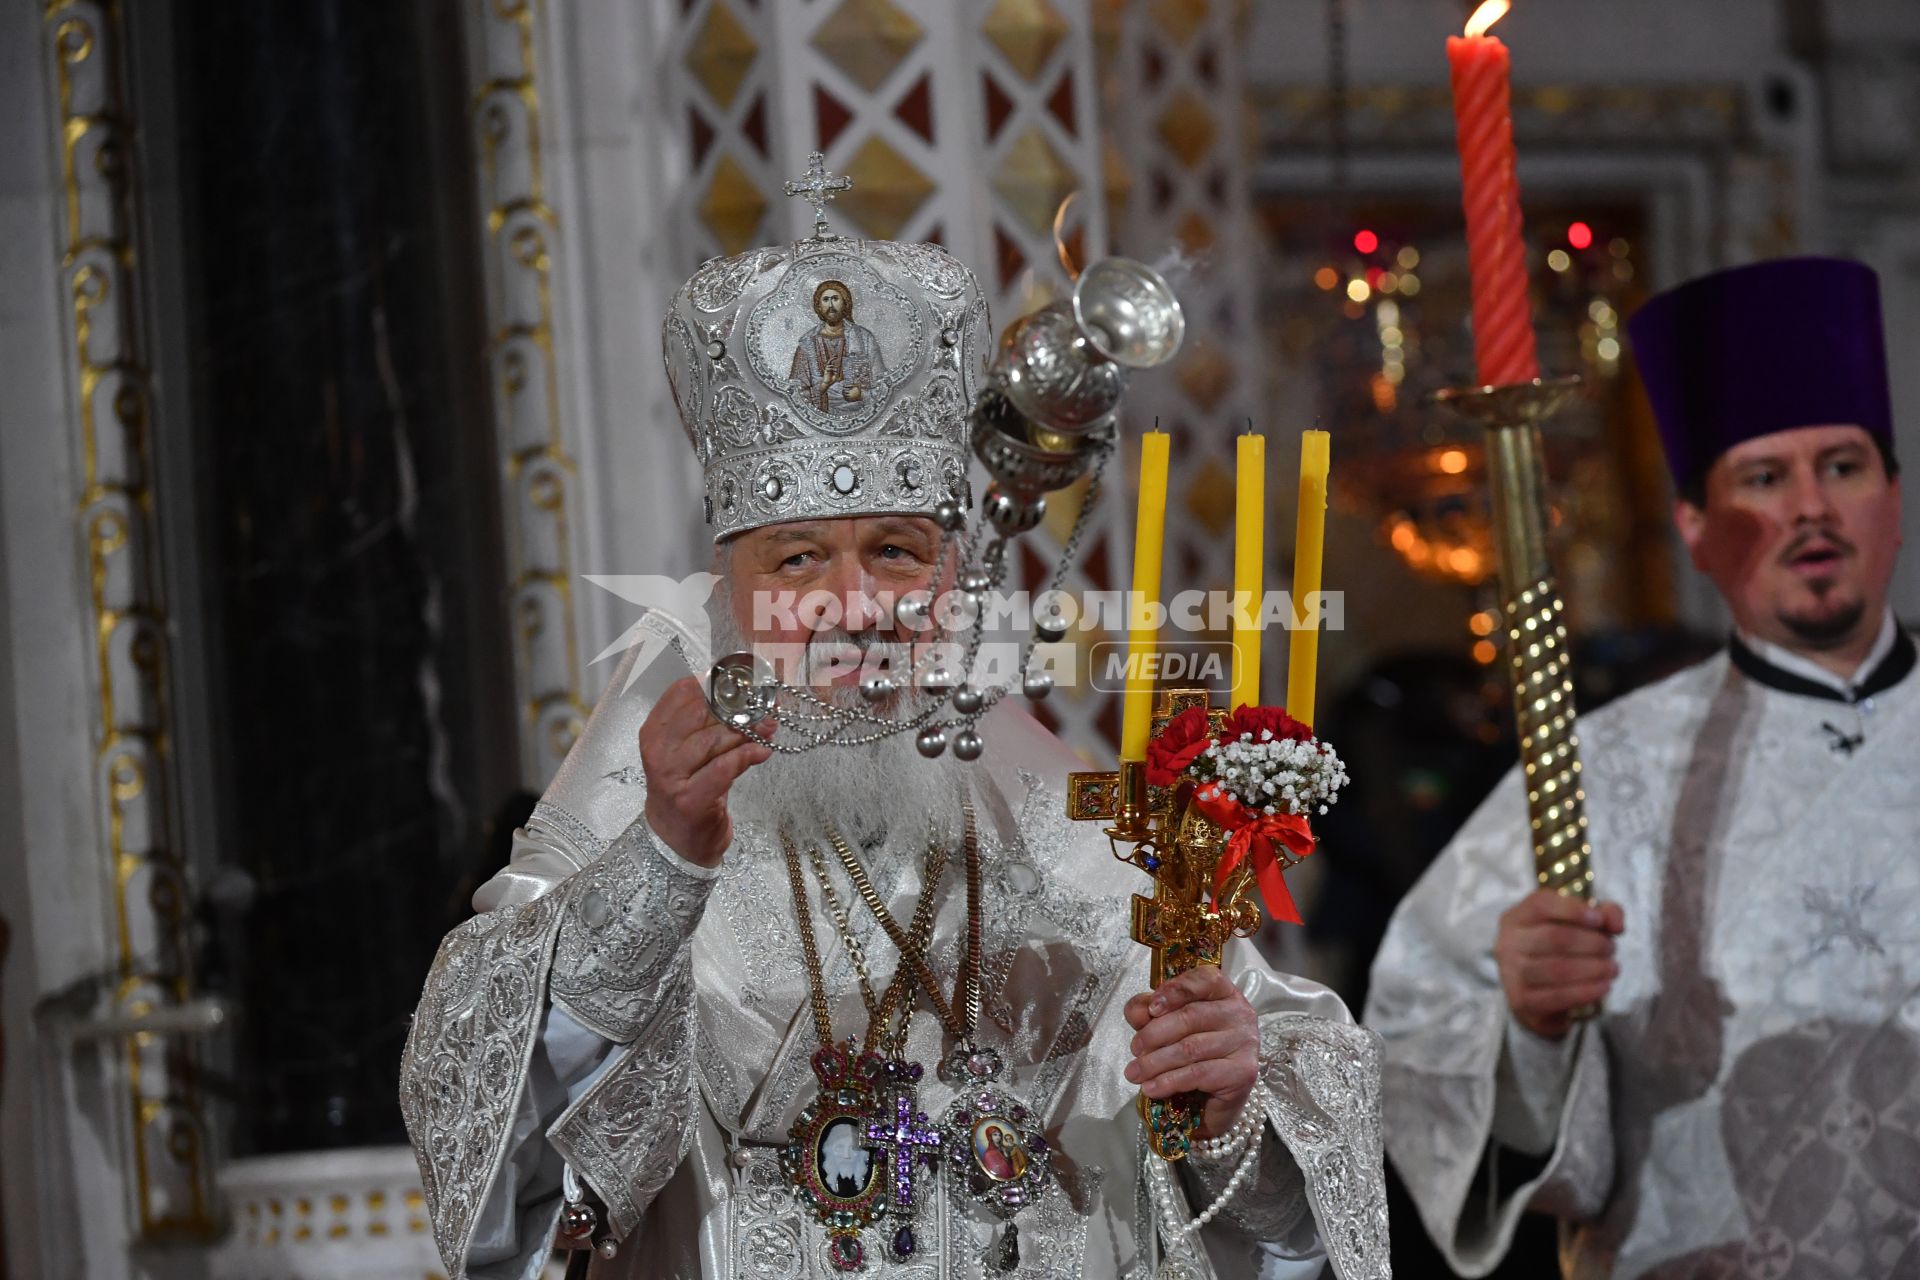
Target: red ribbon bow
{"points": [[1253, 835]]}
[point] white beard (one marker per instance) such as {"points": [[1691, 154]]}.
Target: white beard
{"points": [[877, 794]]}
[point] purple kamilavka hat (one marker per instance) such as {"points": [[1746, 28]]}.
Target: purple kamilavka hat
{"points": [[1741, 353]]}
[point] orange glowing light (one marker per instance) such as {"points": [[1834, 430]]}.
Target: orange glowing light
{"points": [[1481, 623], [1484, 652], [1402, 536], [1486, 15], [1060, 249], [1453, 461], [1326, 277], [1464, 561], [1386, 397]]}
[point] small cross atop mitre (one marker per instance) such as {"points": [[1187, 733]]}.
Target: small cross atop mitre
{"points": [[817, 188]]}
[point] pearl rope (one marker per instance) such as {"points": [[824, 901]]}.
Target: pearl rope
{"points": [[1252, 1115], [1246, 1132]]}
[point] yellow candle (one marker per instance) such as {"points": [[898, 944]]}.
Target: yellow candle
{"points": [[1149, 532], [1309, 540], [1249, 555]]}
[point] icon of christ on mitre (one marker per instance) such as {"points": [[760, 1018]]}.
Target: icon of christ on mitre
{"points": [[835, 365]]}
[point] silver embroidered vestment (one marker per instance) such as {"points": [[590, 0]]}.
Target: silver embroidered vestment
{"points": [[1745, 1106], [687, 987]]}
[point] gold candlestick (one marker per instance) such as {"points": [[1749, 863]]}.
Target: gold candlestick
{"points": [[1539, 665], [1184, 923]]}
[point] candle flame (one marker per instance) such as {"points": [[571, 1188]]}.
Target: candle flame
{"points": [[1490, 12], [1067, 263]]}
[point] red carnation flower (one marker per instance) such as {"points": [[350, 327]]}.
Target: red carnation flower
{"points": [[1169, 753], [1274, 720]]}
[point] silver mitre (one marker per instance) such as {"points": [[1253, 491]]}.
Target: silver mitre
{"points": [[836, 377], [827, 377]]}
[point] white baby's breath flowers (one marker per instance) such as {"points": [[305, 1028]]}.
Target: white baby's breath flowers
{"points": [[1274, 775]]}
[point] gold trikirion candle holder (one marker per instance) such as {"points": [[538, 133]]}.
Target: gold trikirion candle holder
{"points": [[1539, 664], [1184, 924]]}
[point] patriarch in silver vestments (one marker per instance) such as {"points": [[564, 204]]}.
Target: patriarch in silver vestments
{"points": [[1743, 1103], [635, 1023]]}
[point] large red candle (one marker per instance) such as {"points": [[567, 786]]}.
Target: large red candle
{"points": [[1496, 245]]}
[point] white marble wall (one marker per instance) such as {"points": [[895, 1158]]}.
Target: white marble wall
{"points": [[56, 906], [90, 783], [574, 173]]}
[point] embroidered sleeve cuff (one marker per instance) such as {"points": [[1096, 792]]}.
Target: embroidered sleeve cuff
{"points": [[1323, 1078], [626, 917], [626, 1131], [678, 863]]}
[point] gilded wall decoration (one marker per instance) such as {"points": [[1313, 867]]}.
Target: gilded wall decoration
{"points": [[521, 243], [116, 519]]}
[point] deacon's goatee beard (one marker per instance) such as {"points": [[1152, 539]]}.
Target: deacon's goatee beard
{"points": [[1832, 620], [1823, 631], [880, 793]]}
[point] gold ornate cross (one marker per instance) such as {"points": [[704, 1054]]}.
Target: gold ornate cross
{"points": [[1158, 830]]}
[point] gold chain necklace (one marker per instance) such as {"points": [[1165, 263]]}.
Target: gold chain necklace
{"points": [[995, 1152], [866, 1104], [899, 998], [992, 1145], [880, 1010], [913, 943]]}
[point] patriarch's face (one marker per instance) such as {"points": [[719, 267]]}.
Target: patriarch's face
{"points": [[830, 587]]}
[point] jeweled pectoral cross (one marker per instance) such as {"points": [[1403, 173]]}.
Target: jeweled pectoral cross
{"points": [[817, 189], [1184, 924], [902, 1138]]}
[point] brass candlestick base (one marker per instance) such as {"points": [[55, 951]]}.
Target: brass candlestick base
{"points": [[1539, 665], [1185, 924]]}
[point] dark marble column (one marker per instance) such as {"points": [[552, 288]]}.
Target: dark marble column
{"points": [[358, 655]]}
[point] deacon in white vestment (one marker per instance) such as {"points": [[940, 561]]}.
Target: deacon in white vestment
{"points": [[1745, 1103], [638, 1017]]}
